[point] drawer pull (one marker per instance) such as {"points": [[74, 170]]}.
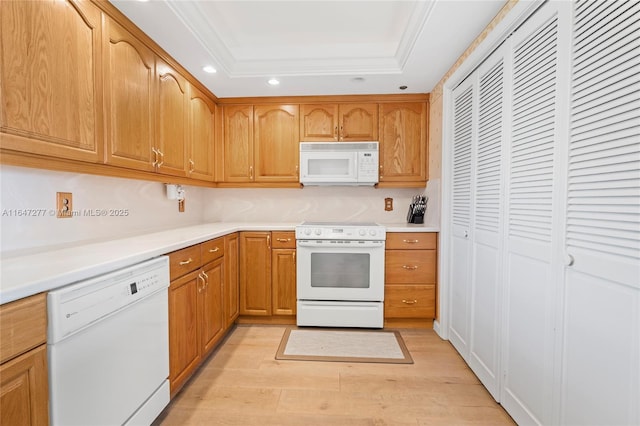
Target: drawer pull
{"points": [[411, 241], [409, 302], [213, 250], [410, 267], [186, 262], [283, 240]]}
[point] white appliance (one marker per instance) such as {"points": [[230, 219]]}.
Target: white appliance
{"points": [[108, 347], [339, 163], [340, 274]]}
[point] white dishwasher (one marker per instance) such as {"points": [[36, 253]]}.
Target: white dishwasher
{"points": [[108, 347]]}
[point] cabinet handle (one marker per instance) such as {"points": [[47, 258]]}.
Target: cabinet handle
{"points": [[192, 166], [213, 250], [409, 302], [155, 157], [342, 135], [410, 267], [161, 157], [185, 262], [283, 240], [410, 241], [335, 133], [381, 171], [206, 279], [297, 171], [250, 172], [269, 242], [200, 277]]}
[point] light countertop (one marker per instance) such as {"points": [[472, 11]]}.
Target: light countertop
{"points": [[31, 274]]}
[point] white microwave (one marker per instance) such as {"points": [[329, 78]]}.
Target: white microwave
{"points": [[339, 163]]}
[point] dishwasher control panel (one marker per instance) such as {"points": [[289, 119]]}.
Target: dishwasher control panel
{"points": [[76, 306]]}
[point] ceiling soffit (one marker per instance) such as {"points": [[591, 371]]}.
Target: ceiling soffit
{"points": [[247, 38]]}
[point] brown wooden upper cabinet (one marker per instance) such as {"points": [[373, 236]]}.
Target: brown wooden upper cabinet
{"points": [[276, 141], [50, 79], [403, 142], [261, 143], [129, 74], [200, 135], [238, 143], [338, 122], [172, 119]]}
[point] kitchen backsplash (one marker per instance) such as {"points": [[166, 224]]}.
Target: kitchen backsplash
{"points": [[28, 202], [110, 208], [321, 203]]}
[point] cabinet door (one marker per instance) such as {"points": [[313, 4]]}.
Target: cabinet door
{"points": [[283, 284], [50, 80], [211, 316], [255, 273], [129, 69], [231, 279], [358, 122], [184, 353], [319, 123], [403, 142], [171, 121], [24, 390], [276, 141], [238, 143], [201, 135]]}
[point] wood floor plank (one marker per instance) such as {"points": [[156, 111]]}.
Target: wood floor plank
{"points": [[243, 384]]}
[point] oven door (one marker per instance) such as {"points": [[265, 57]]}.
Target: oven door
{"points": [[340, 270]]}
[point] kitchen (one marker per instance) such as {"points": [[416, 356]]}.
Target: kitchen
{"points": [[150, 211]]}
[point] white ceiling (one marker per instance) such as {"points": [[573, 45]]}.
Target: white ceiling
{"points": [[314, 47]]}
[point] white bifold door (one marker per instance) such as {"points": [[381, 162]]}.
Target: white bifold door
{"points": [[544, 241], [601, 332]]}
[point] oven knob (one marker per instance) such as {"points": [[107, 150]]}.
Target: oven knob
{"points": [[307, 232], [317, 231], [372, 232], [362, 232]]}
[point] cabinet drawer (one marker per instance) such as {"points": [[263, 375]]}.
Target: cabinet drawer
{"points": [[410, 301], [411, 240], [212, 250], [283, 239], [183, 261], [23, 325], [410, 267]]}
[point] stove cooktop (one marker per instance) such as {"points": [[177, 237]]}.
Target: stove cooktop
{"points": [[366, 231]]}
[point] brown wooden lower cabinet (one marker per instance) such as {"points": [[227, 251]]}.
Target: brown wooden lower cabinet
{"points": [[267, 274], [197, 300], [231, 279], [410, 276], [24, 386]]}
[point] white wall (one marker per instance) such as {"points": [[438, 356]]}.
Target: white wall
{"points": [[331, 203], [148, 209]]}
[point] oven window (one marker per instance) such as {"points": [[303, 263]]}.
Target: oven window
{"points": [[340, 270]]}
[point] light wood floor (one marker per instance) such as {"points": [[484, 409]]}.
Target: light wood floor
{"points": [[243, 384]]}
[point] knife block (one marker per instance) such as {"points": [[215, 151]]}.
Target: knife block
{"points": [[414, 217]]}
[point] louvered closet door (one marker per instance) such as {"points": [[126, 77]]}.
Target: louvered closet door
{"points": [[486, 233], [534, 186], [601, 350], [460, 267]]}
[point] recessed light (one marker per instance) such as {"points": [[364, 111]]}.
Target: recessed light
{"points": [[209, 69], [273, 82], [358, 79], [402, 87]]}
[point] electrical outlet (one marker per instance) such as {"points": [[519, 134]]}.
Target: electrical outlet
{"points": [[64, 204], [388, 204]]}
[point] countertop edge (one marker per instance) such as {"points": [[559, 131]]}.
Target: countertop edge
{"points": [[23, 277]]}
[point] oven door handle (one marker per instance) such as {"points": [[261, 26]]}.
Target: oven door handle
{"points": [[339, 244]]}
